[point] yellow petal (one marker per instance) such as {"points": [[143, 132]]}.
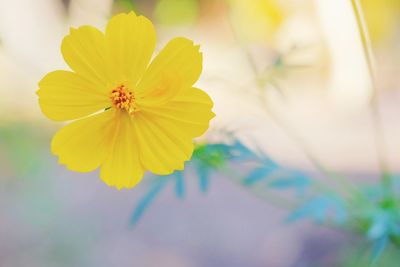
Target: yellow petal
{"points": [[176, 67], [166, 133], [122, 167], [82, 145], [190, 111], [162, 150], [84, 50], [64, 95], [130, 41]]}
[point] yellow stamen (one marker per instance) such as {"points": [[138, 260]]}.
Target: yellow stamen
{"points": [[122, 98]]}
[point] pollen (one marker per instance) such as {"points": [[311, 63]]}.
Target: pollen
{"points": [[122, 98]]}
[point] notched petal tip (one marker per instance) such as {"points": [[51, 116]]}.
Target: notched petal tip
{"points": [[130, 40], [180, 167], [123, 16], [73, 30], [176, 67], [121, 184], [83, 49], [212, 115]]}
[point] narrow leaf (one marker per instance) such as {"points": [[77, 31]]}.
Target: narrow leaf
{"points": [[179, 184], [204, 179], [147, 199]]}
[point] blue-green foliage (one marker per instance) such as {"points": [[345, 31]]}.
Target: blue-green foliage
{"points": [[296, 180], [179, 185], [377, 213], [155, 188], [204, 179], [372, 211], [206, 159], [320, 209], [213, 158], [259, 174]]}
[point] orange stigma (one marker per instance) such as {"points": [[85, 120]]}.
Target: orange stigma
{"points": [[122, 98]]}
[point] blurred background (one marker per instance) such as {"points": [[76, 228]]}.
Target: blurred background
{"points": [[289, 79]]}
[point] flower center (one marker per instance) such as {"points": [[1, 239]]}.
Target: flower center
{"points": [[122, 98]]}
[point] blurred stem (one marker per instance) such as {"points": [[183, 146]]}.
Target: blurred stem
{"points": [[377, 123], [274, 199], [289, 130], [260, 191], [346, 187]]}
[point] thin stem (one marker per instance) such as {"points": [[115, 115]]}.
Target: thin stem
{"points": [[377, 123], [292, 133], [289, 130], [260, 192]]}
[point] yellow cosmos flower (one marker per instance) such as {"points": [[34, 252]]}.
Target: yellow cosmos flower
{"points": [[257, 19], [382, 17], [130, 115]]}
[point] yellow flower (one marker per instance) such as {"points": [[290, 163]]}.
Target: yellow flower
{"points": [[257, 19], [382, 17], [132, 115]]}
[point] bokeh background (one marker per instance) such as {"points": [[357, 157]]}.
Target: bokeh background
{"points": [[303, 58]]}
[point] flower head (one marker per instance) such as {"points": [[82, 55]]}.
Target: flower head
{"points": [[129, 115]]}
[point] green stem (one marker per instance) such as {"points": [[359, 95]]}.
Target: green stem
{"points": [[377, 123], [289, 130]]}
